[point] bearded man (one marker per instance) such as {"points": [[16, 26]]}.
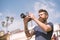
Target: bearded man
{"points": [[43, 30]]}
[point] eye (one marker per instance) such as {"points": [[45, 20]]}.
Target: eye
{"points": [[40, 14]]}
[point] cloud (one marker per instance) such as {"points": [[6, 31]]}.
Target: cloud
{"points": [[36, 6], [50, 6], [57, 15], [44, 5], [0, 18], [0, 14]]}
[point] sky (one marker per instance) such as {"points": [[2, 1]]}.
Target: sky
{"points": [[13, 8]]}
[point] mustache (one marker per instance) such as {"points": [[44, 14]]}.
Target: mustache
{"points": [[42, 19]]}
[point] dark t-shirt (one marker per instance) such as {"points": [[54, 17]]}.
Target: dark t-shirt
{"points": [[41, 34]]}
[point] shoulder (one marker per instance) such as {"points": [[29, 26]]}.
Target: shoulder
{"points": [[50, 23]]}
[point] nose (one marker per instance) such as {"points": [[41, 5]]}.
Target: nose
{"points": [[39, 16]]}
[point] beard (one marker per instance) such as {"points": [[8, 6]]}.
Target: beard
{"points": [[43, 20]]}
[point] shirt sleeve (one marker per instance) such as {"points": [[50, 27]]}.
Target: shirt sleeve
{"points": [[51, 24]]}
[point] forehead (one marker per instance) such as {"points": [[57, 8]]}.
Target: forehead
{"points": [[42, 13]]}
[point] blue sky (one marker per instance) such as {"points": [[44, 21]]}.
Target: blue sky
{"points": [[15, 7]]}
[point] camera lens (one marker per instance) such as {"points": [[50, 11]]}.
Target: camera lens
{"points": [[22, 15]]}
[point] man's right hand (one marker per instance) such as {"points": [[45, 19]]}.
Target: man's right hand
{"points": [[27, 19]]}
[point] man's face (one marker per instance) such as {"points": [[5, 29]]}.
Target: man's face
{"points": [[43, 17]]}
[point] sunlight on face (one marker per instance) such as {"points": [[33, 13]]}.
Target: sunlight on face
{"points": [[42, 15]]}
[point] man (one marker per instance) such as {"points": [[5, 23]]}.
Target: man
{"points": [[43, 30]]}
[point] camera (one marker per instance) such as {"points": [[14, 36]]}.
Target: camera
{"points": [[22, 15]]}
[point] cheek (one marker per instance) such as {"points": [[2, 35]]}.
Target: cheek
{"points": [[43, 16]]}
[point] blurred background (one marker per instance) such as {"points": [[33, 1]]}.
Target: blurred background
{"points": [[11, 24]]}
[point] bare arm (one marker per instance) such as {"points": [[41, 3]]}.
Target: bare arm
{"points": [[28, 34], [45, 27]]}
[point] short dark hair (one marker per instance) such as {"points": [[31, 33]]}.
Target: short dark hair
{"points": [[42, 10]]}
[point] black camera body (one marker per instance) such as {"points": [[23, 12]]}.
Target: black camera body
{"points": [[22, 15]]}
